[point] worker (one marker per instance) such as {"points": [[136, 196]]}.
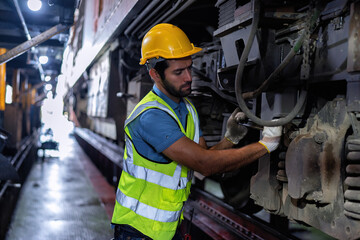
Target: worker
{"points": [[164, 144]]}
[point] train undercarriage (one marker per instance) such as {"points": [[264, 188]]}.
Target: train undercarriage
{"points": [[297, 62]]}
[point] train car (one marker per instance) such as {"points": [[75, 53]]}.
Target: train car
{"points": [[295, 62]]}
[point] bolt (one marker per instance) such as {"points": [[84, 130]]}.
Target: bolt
{"points": [[293, 135], [320, 137]]}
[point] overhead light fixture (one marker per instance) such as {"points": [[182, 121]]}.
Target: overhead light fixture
{"points": [[43, 59], [48, 87], [47, 78], [8, 94], [34, 5]]}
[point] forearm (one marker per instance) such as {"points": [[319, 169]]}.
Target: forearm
{"points": [[209, 162], [232, 159], [223, 144]]}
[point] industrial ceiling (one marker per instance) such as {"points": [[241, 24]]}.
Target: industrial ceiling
{"points": [[19, 26]]}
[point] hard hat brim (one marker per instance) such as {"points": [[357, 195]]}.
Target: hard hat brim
{"points": [[158, 54]]}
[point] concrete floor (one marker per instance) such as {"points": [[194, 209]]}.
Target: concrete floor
{"points": [[59, 200]]}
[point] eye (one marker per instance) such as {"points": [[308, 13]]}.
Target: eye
{"points": [[178, 72]]}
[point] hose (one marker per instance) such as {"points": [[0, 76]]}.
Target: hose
{"points": [[240, 69]]}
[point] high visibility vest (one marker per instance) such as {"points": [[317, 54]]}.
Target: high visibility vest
{"points": [[150, 195]]}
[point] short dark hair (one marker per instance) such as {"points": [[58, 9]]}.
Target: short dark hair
{"points": [[160, 68]]}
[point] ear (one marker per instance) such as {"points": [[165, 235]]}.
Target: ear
{"points": [[154, 75]]}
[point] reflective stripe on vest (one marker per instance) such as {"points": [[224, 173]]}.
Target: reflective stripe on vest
{"points": [[150, 175], [191, 109], [146, 210]]}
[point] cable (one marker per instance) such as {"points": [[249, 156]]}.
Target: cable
{"points": [[240, 69]]}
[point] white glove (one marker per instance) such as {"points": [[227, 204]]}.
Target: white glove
{"points": [[271, 138], [235, 131]]}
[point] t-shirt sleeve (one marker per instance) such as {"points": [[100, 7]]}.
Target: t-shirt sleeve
{"points": [[159, 129]]}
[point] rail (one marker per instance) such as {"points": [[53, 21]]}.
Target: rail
{"points": [[218, 220]]}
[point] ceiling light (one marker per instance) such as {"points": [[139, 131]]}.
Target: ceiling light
{"points": [[34, 5], [47, 78], [8, 94], [43, 59], [48, 87]]}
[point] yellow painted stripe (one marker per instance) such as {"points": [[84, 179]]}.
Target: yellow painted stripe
{"points": [[2, 82]]}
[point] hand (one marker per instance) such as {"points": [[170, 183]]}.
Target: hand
{"points": [[235, 131], [271, 138]]}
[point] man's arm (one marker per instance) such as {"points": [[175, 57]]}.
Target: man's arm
{"points": [[208, 162], [223, 144]]}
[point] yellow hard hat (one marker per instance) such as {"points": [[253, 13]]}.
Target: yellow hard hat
{"points": [[167, 41]]}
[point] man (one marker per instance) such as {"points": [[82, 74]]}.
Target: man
{"points": [[164, 143]]}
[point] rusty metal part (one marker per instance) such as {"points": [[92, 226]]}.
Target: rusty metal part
{"points": [[316, 190], [353, 59], [355, 123], [352, 180], [313, 160], [281, 173], [305, 66], [352, 195], [354, 146], [353, 207], [302, 167], [13, 53], [353, 168], [265, 188], [353, 156]]}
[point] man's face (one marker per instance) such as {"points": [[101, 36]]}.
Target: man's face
{"points": [[178, 77]]}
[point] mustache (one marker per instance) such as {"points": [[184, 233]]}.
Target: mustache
{"points": [[186, 84]]}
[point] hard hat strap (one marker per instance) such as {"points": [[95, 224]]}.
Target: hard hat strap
{"points": [[150, 63]]}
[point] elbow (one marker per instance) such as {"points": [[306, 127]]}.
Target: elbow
{"points": [[205, 169], [206, 165], [205, 172]]}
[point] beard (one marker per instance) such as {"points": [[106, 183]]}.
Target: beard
{"points": [[173, 91]]}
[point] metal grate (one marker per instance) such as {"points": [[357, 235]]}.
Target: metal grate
{"points": [[226, 12]]}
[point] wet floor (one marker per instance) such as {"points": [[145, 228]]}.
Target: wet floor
{"points": [[58, 200]]}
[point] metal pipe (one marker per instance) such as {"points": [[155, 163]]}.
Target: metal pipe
{"points": [[4, 187], [41, 70], [159, 20], [187, 4], [173, 8], [33, 42], [147, 19], [22, 19], [169, 15], [140, 17]]}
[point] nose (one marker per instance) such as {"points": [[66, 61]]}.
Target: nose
{"points": [[188, 75]]}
